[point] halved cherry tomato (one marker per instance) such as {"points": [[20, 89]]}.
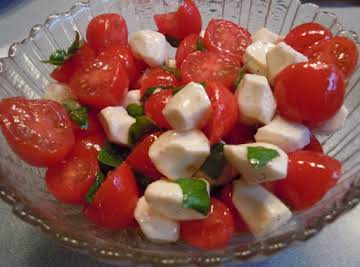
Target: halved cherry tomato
{"points": [[106, 30], [88, 144], [210, 66], [225, 112], [38, 131], [240, 134], [115, 201], [309, 93], [213, 232], [227, 37], [156, 77], [314, 145], [310, 176], [154, 106], [339, 50], [303, 36], [94, 125], [102, 83], [186, 47]]}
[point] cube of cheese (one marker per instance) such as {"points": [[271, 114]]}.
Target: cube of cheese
{"points": [[132, 97], [116, 123], [59, 92], [179, 154], [287, 135], [261, 210], [275, 169], [188, 109], [155, 226], [255, 99], [171, 63], [255, 57], [334, 124], [265, 35]]}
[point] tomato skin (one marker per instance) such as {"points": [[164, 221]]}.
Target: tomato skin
{"points": [[88, 144], [303, 36], [309, 93], [36, 127], [213, 232], [106, 30], [156, 77], [240, 134], [314, 145], [154, 106], [115, 201], [186, 47]]}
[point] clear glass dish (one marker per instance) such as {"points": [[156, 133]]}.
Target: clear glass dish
{"points": [[22, 186]]}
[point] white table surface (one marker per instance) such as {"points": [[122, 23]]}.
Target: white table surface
{"points": [[337, 245]]}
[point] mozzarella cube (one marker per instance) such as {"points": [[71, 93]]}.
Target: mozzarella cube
{"points": [[281, 56], [150, 46], [333, 124], [229, 173], [132, 97], [154, 225], [179, 154], [255, 100], [116, 123], [261, 210], [59, 92], [275, 169], [255, 57], [190, 108], [265, 35], [167, 198], [171, 63], [287, 135]]}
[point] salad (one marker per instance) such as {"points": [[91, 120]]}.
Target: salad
{"points": [[216, 140]]}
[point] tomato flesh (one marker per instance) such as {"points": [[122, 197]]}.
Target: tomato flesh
{"points": [[156, 77], [154, 106], [88, 144], [314, 145], [186, 47], [240, 134]]}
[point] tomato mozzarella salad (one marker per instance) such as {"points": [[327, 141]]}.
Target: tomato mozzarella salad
{"points": [[216, 140]]}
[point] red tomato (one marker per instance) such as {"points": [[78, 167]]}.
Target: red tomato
{"points": [[139, 158], [213, 232], [210, 66], [309, 93], [156, 77], [114, 203], [307, 34], [186, 47], [227, 37], [106, 30], [70, 179], [339, 50], [225, 112], [310, 176], [39, 131], [78, 61], [89, 144], [94, 125], [154, 106], [240, 134], [314, 145], [102, 83]]}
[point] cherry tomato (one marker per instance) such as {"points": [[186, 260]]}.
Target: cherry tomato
{"points": [[303, 36], [156, 77], [154, 106], [102, 83], [339, 50], [314, 145], [225, 112], [210, 66], [186, 47], [310, 176], [106, 30], [38, 131], [94, 125], [227, 37], [115, 201], [88, 144], [240, 134], [309, 93], [213, 232]]}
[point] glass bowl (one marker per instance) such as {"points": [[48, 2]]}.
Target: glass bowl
{"points": [[22, 186]]}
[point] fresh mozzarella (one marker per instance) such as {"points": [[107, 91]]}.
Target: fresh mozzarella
{"points": [[179, 154], [265, 35], [275, 169], [334, 124], [150, 46], [116, 123], [229, 173], [132, 97], [59, 92], [167, 198], [171, 63], [202, 33], [255, 100], [287, 135], [281, 56], [255, 57], [262, 211], [154, 225], [190, 108]]}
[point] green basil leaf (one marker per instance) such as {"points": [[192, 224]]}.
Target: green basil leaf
{"points": [[260, 156], [112, 155], [77, 113], [135, 110], [203, 84], [142, 180], [100, 178], [200, 46], [195, 194], [174, 71], [75, 45], [174, 42], [215, 163], [148, 93], [141, 127], [240, 75]]}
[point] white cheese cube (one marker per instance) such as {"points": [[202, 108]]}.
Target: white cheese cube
{"points": [[262, 211], [179, 154], [59, 92], [150, 46], [171, 63], [281, 56], [265, 35], [289, 136], [188, 109], [255, 100], [255, 57], [167, 198], [116, 123], [202, 33], [334, 124], [154, 225], [132, 97], [275, 169]]}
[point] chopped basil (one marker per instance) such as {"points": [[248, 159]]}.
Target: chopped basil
{"points": [[141, 127], [148, 93], [174, 42], [173, 71], [203, 84], [135, 110], [77, 113], [215, 163], [260, 156], [142, 180], [112, 155], [240, 75], [200, 46], [100, 178]]}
